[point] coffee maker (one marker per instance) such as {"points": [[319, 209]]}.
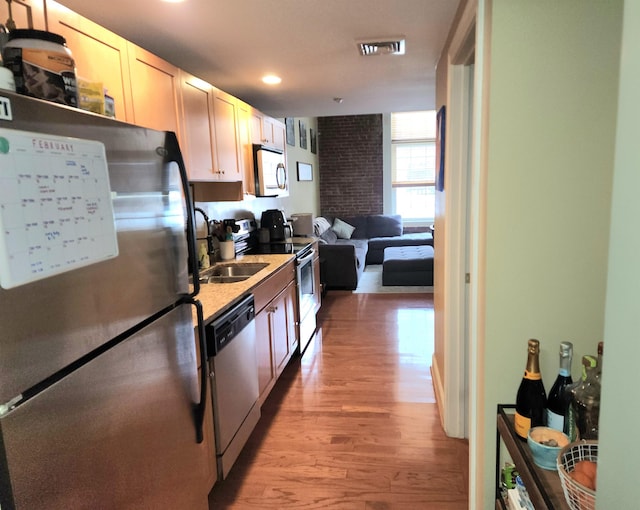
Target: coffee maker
{"points": [[275, 221]]}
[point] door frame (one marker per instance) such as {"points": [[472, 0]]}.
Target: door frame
{"points": [[458, 211]]}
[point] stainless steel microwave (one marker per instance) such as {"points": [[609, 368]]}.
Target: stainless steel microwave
{"points": [[270, 166]]}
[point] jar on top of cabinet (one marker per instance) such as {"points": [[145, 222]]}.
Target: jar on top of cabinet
{"points": [[42, 65]]}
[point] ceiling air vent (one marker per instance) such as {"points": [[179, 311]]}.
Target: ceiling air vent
{"points": [[392, 47]]}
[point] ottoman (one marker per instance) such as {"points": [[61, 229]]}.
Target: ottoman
{"points": [[408, 265]]}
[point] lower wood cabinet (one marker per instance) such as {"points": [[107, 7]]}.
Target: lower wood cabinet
{"points": [[276, 339]]}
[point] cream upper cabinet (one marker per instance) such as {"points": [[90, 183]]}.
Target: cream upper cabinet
{"points": [[256, 127], [25, 14], [227, 144], [100, 55], [246, 148], [274, 131], [266, 130], [155, 86], [197, 122]]}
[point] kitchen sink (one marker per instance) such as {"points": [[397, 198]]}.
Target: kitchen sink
{"points": [[231, 272]]}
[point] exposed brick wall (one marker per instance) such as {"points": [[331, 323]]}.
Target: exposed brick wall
{"points": [[350, 160]]}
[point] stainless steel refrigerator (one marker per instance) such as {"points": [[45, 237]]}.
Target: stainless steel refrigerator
{"points": [[101, 400]]}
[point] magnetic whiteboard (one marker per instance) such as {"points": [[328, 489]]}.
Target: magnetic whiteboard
{"points": [[56, 212]]}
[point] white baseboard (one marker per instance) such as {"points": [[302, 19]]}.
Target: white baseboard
{"points": [[438, 389]]}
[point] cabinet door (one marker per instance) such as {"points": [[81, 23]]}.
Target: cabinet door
{"points": [[154, 88], [25, 14], [100, 55], [274, 131], [263, 350], [279, 331], [226, 137], [256, 127], [246, 149], [197, 146]]}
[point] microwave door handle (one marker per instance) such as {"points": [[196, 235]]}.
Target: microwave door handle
{"points": [[280, 171]]}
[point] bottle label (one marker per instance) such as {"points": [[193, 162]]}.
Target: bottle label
{"points": [[521, 425], [555, 421], [532, 376]]}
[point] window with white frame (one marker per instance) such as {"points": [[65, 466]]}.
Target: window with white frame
{"points": [[413, 165]]}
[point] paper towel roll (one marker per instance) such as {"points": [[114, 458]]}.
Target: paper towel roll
{"points": [[302, 224]]}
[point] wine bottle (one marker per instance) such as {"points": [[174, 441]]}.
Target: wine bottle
{"points": [[586, 401], [531, 399], [558, 403], [600, 357]]}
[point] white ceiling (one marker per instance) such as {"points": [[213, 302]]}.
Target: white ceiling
{"points": [[311, 44]]}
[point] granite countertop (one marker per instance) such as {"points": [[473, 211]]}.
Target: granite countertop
{"points": [[217, 297]]}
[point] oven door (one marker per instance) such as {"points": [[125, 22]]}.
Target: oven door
{"points": [[306, 282]]}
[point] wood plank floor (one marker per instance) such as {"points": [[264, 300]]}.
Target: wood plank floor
{"points": [[353, 424]]}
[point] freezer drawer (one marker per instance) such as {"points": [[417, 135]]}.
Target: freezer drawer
{"points": [[116, 433]]}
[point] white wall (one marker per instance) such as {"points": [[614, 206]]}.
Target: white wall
{"points": [[620, 414], [547, 170]]}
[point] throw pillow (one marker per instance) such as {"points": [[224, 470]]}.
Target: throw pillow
{"points": [[320, 225], [342, 229]]}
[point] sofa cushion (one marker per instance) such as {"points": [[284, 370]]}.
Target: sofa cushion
{"points": [[384, 225], [328, 237], [360, 224], [342, 229]]}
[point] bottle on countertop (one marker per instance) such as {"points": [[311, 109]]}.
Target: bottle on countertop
{"points": [[586, 400], [531, 399], [558, 403]]}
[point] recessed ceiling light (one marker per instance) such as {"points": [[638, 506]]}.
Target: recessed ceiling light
{"points": [[271, 79]]}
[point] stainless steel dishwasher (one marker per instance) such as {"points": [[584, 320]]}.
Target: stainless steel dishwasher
{"points": [[233, 368]]}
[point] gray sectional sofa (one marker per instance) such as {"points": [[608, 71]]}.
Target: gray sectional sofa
{"points": [[345, 250]]}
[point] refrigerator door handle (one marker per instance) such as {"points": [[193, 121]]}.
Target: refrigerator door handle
{"points": [[173, 154], [200, 407]]}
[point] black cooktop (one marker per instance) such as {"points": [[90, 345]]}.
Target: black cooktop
{"points": [[279, 248]]}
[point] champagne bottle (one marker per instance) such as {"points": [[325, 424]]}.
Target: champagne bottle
{"points": [[558, 403], [531, 399]]}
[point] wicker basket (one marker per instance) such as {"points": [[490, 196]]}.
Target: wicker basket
{"points": [[577, 495]]}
